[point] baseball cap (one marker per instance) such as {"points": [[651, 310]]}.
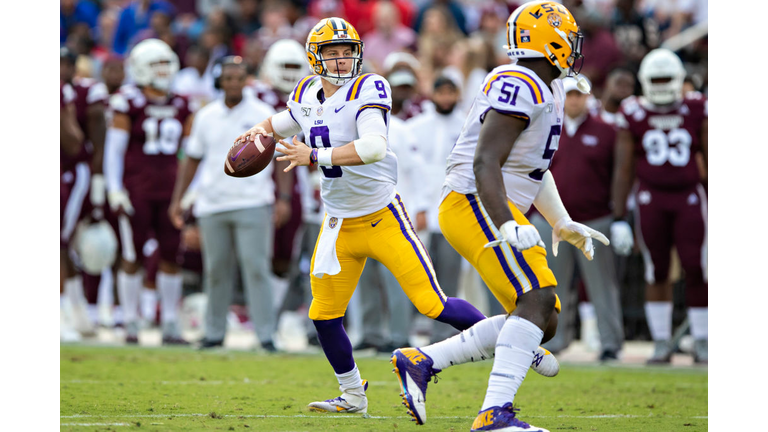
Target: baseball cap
{"points": [[401, 77]]}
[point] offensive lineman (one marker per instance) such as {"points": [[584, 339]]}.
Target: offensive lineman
{"points": [[149, 123], [344, 114], [659, 135], [497, 169]]}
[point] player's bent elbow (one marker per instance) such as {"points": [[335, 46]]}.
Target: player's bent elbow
{"points": [[371, 148]]}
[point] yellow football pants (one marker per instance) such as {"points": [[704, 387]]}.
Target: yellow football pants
{"points": [[388, 237], [507, 272]]}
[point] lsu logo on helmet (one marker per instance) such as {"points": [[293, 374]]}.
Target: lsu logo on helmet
{"points": [[545, 29], [331, 31]]}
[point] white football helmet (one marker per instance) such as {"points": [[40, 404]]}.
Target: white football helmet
{"points": [[153, 63], [96, 246], [275, 67], [661, 63]]}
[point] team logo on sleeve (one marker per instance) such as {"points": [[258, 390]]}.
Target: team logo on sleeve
{"points": [[332, 222], [554, 20]]}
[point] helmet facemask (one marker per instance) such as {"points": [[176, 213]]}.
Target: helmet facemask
{"points": [[664, 67], [338, 79], [163, 73]]}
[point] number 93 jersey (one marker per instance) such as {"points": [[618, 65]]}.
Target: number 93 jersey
{"points": [[347, 191], [516, 91], [666, 140]]}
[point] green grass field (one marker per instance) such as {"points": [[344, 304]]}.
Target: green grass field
{"points": [[124, 388]]}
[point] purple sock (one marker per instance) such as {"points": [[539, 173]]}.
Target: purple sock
{"points": [[460, 314], [336, 345]]}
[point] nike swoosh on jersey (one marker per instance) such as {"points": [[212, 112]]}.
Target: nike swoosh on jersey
{"points": [[373, 224], [339, 109]]}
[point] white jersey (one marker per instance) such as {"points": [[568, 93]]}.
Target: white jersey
{"points": [[517, 91], [347, 191]]}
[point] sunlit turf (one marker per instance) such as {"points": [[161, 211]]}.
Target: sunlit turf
{"points": [[126, 388]]}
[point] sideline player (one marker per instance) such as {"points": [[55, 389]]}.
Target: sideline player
{"points": [[497, 169], [344, 114], [148, 125], [658, 139]]}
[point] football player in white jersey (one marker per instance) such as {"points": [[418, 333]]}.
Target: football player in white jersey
{"points": [[343, 115], [496, 170]]}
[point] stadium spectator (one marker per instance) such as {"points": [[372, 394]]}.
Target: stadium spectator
{"points": [[75, 12], [436, 38], [619, 85], [195, 80], [452, 7], [234, 215], [583, 168], [467, 69], [389, 34], [134, 18], [635, 34]]}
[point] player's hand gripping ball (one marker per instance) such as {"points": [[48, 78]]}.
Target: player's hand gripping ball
{"points": [[248, 158]]}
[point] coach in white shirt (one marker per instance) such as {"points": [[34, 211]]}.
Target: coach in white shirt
{"points": [[235, 214], [435, 131]]}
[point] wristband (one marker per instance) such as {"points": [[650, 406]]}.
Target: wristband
{"points": [[324, 156], [313, 157]]}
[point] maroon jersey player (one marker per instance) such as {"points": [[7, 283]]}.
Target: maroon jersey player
{"points": [[148, 126], [658, 140]]}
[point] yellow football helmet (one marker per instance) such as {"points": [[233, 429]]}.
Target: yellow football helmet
{"points": [[331, 31], [545, 29]]}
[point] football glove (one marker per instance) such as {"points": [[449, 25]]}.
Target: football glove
{"points": [[119, 200], [520, 237], [578, 235], [98, 190], [621, 238]]}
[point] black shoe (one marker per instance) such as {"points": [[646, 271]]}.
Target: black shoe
{"points": [[313, 340], [174, 340], [269, 347], [206, 343], [365, 345], [609, 355]]}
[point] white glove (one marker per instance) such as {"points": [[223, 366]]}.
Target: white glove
{"points": [[521, 237], [98, 190], [578, 235], [119, 199], [621, 238], [188, 199]]}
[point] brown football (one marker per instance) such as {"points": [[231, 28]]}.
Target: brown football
{"points": [[251, 157]]}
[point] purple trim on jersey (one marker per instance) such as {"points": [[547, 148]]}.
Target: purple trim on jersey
{"points": [[294, 118], [336, 345], [510, 113], [386, 109], [432, 281], [304, 86], [359, 87], [460, 314], [533, 92], [497, 249], [535, 82]]}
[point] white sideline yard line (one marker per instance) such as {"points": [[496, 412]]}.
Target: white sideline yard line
{"points": [[353, 417], [96, 424]]}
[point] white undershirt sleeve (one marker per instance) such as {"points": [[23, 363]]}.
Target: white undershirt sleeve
{"points": [[284, 125], [115, 144], [372, 144], [548, 201]]}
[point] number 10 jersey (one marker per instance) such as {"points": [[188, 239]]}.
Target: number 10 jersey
{"points": [[516, 91], [347, 191]]}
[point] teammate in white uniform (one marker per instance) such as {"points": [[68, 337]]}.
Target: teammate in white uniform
{"points": [[343, 115], [498, 168]]}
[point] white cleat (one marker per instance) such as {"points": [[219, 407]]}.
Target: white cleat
{"points": [[345, 404], [545, 363]]}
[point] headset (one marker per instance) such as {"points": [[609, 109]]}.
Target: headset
{"points": [[218, 66]]}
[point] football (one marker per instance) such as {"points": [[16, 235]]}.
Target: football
{"points": [[251, 157]]}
